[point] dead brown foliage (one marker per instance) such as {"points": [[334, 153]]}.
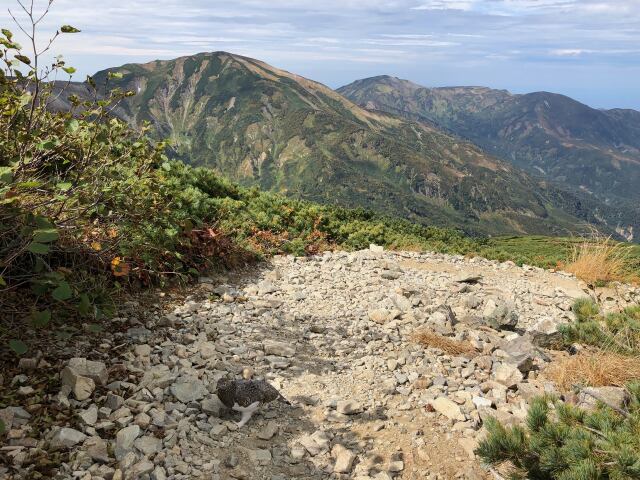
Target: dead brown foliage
{"points": [[595, 369], [447, 345], [600, 260]]}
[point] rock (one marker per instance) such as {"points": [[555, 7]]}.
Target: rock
{"points": [[141, 469], [27, 364], [480, 402], [96, 371], [188, 389], [82, 387], [142, 350], [260, 456], [506, 374], [380, 316], [212, 406], [125, 439], [90, 415], [501, 316], [97, 449], [279, 349], [159, 473], [207, 350], [268, 432], [449, 409], [157, 376], [469, 445], [348, 407], [521, 352], [613, 396], [376, 248], [545, 334], [344, 459], [505, 418], [148, 445], [528, 391], [64, 438], [113, 402]]}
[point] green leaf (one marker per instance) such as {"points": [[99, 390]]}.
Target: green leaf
{"points": [[72, 126], [45, 236], [3, 428], [166, 166], [18, 347], [69, 70], [69, 29], [43, 223], [41, 319], [64, 186], [38, 248], [24, 59], [7, 33], [115, 75], [85, 304], [2, 282], [6, 174], [63, 292]]}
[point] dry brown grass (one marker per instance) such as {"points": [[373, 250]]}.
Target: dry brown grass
{"points": [[447, 345], [600, 260], [599, 369]]}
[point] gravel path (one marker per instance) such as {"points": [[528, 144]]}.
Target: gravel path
{"points": [[336, 334]]}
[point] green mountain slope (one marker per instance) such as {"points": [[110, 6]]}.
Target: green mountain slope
{"points": [[595, 152], [263, 126]]}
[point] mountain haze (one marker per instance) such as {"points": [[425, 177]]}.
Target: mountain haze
{"points": [[593, 151], [263, 126]]}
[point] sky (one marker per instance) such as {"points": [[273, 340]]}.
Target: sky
{"points": [[586, 49]]}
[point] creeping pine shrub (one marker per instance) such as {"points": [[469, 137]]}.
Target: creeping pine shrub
{"points": [[564, 442], [615, 332]]}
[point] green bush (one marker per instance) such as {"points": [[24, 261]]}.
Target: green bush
{"points": [[617, 332], [564, 442]]}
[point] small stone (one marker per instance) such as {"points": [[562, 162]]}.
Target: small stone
{"points": [[269, 431], [260, 456], [26, 364], [344, 459], [142, 350], [125, 439], [188, 389], [97, 449], [142, 468], [212, 406], [159, 473], [66, 438], [113, 402], [96, 371], [279, 349], [380, 316], [207, 350], [248, 373], [449, 409], [148, 445], [469, 445], [90, 415], [508, 375], [82, 387]]}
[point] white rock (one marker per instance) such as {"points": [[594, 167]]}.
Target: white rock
{"points": [[449, 409]]}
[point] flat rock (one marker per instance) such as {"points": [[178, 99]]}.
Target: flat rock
{"points": [[344, 459], [188, 389], [64, 438], [279, 349], [449, 409], [125, 439], [96, 371]]}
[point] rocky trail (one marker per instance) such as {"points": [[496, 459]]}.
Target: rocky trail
{"points": [[336, 334]]}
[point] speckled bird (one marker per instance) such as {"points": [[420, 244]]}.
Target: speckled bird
{"points": [[246, 396]]}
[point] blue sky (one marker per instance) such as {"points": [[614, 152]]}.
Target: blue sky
{"points": [[587, 49]]}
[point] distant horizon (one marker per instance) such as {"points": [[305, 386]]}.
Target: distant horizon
{"points": [[585, 49]]}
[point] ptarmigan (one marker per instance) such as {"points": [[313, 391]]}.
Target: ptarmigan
{"points": [[246, 396]]}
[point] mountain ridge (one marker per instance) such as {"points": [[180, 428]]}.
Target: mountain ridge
{"points": [[260, 125], [596, 152]]}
